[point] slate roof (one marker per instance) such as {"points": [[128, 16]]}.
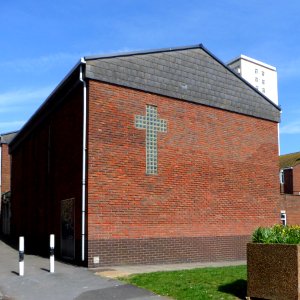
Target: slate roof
{"points": [[190, 73], [289, 160], [6, 138]]}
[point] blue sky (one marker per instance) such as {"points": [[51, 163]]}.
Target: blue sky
{"points": [[42, 40]]}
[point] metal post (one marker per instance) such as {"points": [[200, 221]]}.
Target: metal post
{"points": [[21, 255], [51, 253]]}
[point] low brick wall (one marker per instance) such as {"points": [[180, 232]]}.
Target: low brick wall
{"points": [[167, 250]]}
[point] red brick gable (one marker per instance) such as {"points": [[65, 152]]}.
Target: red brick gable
{"points": [[217, 176]]}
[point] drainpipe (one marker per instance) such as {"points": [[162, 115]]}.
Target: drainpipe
{"points": [[83, 162], [278, 131]]}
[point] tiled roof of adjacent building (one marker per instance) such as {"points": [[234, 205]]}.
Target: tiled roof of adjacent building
{"points": [[6, 138], [289, 160]]}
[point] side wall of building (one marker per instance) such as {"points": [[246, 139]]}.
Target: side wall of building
{"points": [[291, 205], [46, 169], [217, 180], [5, 169]]}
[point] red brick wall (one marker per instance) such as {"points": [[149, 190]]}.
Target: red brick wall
{"points": [[217, 180], [47, 168], [5, 169], [291, 205]]}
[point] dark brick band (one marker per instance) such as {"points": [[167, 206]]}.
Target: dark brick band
{"points": [[166, 250]]}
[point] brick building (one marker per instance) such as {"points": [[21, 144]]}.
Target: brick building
{"points": [[5, 139], [149, 157], [290, 187], [5, 171], [290, 173]]}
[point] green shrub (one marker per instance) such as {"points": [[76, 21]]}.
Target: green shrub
{"points": [[277, 234]]}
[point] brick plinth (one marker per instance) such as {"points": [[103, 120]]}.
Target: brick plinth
{"points": [[167, 250]]}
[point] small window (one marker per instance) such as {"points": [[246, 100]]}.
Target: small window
{"points": [[283, 217], [263, 81], [256, 79], [263, 90], [281, 176], [256, 71], [262, 73]]}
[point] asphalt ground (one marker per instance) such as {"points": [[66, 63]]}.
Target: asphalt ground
{"points": [[73, 282], [68, 281]]}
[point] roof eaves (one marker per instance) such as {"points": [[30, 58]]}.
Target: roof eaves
{"points": [[41, 107], [6, 138], [8, 133]]}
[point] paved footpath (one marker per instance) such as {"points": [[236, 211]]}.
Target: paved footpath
{"points": [[68, 282]]}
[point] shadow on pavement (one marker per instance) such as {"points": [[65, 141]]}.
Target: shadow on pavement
{"points": [[15, 273]]}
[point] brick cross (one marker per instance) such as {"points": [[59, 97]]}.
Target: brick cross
{"points": [[153, 125]]}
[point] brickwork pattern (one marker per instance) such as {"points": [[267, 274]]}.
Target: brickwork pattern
{"points": [[167, 250], [291, 205], [217, 174], [5, 169]]}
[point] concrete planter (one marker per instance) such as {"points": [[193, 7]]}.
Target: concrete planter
{"points": [[273, 271]]}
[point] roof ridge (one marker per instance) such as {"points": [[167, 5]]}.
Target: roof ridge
{"points": [[141, 52], [289, 153], [7, 133]]}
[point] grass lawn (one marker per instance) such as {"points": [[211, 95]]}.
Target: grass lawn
{"points": [[203, 283]]}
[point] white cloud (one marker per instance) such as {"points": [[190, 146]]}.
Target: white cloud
{"points": [[16, 106], [11, 126], [291, 128], [43, 63], [23, 96]]}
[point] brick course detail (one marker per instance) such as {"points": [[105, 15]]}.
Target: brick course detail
{"points": [[167, 250]]}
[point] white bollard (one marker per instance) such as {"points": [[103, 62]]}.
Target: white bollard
{"points": [[21, 255], [51, 253]]}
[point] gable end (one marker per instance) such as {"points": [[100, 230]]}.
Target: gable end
{"points": [[191, 74]]}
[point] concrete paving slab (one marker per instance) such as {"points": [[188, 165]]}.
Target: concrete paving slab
{"points": [[120, 271], [123, 292]]}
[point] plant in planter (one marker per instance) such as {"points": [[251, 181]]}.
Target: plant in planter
{"points": [[273, 263]]}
